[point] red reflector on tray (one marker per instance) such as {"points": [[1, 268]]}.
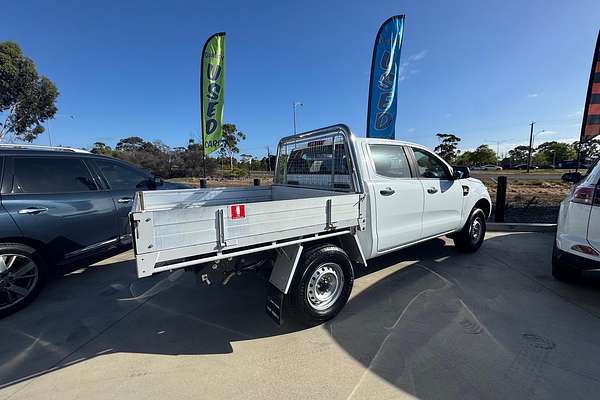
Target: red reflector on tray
{"points": [[238, 211]]}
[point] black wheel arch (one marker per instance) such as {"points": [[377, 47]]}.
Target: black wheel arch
{"points": [[42, 249], [485, 206]]}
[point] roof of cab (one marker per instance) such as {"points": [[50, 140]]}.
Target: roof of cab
{"points": [[386, 141]]}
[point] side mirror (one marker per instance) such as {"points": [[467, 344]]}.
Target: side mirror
{"points": [[157, 181], [461, 172], [572, 177]]}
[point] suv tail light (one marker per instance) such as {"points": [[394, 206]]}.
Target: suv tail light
{"points": [[584, 195], [597, 196]]}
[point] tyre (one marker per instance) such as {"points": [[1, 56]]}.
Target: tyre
{"points": [[322, 285], [22, 275], [470, 238], [560, 270]]}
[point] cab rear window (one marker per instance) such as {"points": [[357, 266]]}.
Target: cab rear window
{"points": [[390, 161]]}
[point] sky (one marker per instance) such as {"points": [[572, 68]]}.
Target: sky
{"points": [[482, 70]]}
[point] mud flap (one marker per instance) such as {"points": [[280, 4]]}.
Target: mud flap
{"points": [[274, 306]]}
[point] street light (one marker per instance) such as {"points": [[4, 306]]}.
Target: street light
{"points": [[498, 143], [294, 106], [536, 134], [531, 137], [48, 125]]}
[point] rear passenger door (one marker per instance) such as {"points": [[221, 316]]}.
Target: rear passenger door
{"points": [[55, 200], [398, 197], [123, 182], [443, 195]]}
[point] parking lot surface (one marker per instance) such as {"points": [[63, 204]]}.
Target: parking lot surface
{"points": [[427, 322]]}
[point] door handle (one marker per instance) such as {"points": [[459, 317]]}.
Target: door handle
{"points": [[432, 190], [387, 191], [33, 210], [124, 200]]}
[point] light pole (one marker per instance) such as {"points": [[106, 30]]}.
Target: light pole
{"points": [[294, 106], [531, 142], [48, 125], [498, 143], [530, 146]]}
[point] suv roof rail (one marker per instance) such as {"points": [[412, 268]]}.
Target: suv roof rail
{"points": [[40, 147]]}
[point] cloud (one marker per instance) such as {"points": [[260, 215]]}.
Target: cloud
{"points": [[408, 67], [419, 56], [411, 130], [575, 114], [568, 140], [533, 95]]}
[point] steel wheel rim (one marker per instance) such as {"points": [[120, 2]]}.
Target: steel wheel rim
{"points": [[18, 276], [476, 229], [325, 286]]}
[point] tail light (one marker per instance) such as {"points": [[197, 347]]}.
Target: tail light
{"points": [[584, 195], [597, 196]]}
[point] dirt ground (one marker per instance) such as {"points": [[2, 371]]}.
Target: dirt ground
{"points": [[224, 182], [530, 200]]}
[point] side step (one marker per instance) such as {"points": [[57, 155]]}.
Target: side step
{"points": [[274, 306]]}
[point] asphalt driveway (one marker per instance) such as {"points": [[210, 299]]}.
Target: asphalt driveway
{"points": [[427, 322]]}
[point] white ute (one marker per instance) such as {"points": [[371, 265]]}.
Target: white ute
{"points": [[337, 201]]}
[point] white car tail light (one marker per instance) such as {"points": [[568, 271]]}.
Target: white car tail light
{"points": [[584, 195]]}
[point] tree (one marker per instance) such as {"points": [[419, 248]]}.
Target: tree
{"points": [[590, 149], [465, 158], [27, 98], [519, 155], [447, 147], [484, 155], [230, 140], [556, 152], [132, 143], [101, 148]]}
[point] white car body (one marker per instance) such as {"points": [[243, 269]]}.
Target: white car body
{"points": [[491, 168], [578, 230]]}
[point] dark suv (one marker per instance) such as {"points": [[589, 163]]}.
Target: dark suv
{"points": [[58, 205]]}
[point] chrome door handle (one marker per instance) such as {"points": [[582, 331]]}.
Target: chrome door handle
{"points": [[33, 210], [124, 200], [387, 191], [432, 190]]}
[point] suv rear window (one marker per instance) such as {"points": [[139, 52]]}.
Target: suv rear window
{"points": [[51, 175], [123, 178]]}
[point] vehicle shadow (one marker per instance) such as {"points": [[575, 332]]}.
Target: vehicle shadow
{"points": [[398, 325]]}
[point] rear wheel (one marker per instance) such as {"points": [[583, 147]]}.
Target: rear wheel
{"points": [[471, 237], [22, 275], [324, 281]]}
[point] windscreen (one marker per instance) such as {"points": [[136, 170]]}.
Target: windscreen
{"points": [[321, 162]]}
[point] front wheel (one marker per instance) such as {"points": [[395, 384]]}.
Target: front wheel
{"points": [[471, 237], [324, 281], [22, 275]]}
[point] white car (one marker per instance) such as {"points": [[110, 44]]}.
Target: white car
{"points": [[577, 245], [491, 168]]}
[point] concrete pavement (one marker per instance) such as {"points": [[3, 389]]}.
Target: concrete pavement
{"points": [[427, 322]]}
